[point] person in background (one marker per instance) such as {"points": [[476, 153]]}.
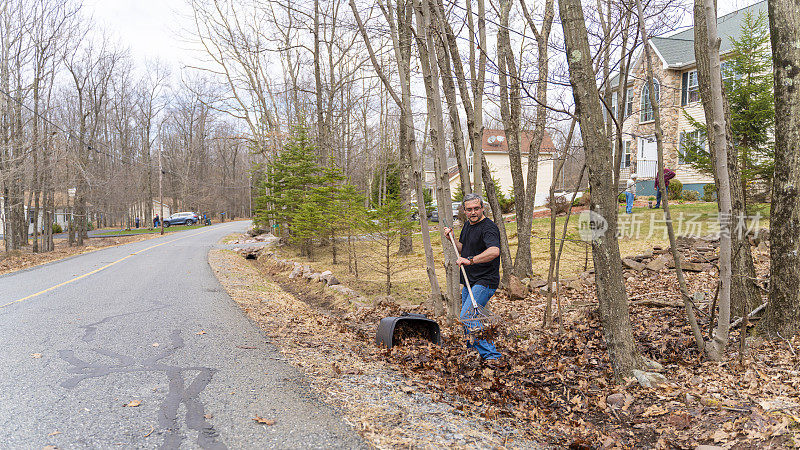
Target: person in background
{"points": [[630, 194], [156, 221], [137, 222], [668, 175]]}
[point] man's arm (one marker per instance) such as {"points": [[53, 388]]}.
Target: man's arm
{"points": [[486, 256]]}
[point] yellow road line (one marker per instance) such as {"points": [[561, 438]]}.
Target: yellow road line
{"points": [[101, 268]]}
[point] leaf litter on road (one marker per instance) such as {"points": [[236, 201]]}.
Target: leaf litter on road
{"points": [[260, 419]]}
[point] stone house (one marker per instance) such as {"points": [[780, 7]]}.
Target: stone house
{"points": [[677, 90]]}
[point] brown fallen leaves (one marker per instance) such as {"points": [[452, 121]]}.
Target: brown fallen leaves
{"points": [[560, 387], [260, 419], [132, 404]]}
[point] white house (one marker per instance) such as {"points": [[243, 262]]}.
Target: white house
{"points": [[61, 213], [495, 150]]}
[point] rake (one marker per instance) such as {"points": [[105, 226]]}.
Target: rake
{"points": [[477, 319]]}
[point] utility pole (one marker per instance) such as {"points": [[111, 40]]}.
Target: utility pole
{"points": [[160, 189], [250, 193]]}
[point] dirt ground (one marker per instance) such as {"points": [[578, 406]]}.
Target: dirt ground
{"points": [[554, 389], [25, 258]]}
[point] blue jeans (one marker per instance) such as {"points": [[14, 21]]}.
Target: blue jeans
{"points": [[628, 202], [482, 294], [658, 198]]}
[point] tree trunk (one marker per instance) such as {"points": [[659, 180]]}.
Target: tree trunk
{"points": [[783, 310], [402, 38], [524, 259], [430, 76], [478, 80], [710, 81], [448, 87], [510, 112], [497, 215], [611, 293], [662, 185]]}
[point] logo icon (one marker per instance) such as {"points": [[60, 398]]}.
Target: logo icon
{"points": [[591, 225]]}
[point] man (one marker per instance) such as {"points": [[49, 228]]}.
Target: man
{"points": [[668, 175], [630, 194], [479, 249]]}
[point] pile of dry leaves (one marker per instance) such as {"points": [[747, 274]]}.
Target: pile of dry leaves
{"points": [[559, 387]]}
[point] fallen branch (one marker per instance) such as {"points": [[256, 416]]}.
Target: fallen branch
{"points": [[648, 294], [738, 321], [657, 303]]}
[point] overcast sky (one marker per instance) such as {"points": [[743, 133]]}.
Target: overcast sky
{"points": [[150, 28], [156, 28]]}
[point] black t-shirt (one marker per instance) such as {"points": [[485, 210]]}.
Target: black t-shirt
{"points": [[475, 239]]}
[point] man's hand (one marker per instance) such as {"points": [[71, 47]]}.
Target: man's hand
{"points": [[463, 261], [448, 232]]}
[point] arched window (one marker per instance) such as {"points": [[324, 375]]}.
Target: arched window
{"points": [[646, 110]]}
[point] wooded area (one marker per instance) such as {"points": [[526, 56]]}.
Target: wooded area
{"points": [[326, 113]]}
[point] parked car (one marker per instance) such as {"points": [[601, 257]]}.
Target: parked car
{"points": [[182, 218], [435, 213]]}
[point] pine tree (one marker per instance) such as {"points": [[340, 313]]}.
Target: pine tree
{"points": [[749, 90], [290, 177], [385, 227]]}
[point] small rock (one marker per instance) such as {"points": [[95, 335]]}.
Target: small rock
{"points": [[631, 264], [516, 290], [324, 275], [652, 366], [536, 284], [573, 283], [689, 399], [332, 281], [296, 272], [708, 447], [344, 290], [649, 379], [657, 264], [616, 400]]}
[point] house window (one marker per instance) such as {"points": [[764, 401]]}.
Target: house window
{"points": [[690, 140], [629, 102], [614, 105], [691, 90], [646, 113], [729, 73], [626, 155]]}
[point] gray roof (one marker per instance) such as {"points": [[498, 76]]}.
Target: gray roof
{"points": [[451, 161], [678, 50]]}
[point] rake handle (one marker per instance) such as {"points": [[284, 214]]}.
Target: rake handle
{"points": [[463, 272]]}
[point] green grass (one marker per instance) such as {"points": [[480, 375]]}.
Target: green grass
{"points": [[148, 231]]}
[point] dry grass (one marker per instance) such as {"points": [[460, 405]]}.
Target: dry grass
{"points": [[410, 283]]}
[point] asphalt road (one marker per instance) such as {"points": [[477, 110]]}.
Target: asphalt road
{"points": [[81, 337]]}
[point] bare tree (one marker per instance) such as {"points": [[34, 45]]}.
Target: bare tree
{"points": [[709, 76], [662, 185], [401, 39], [783, 310], [611, 292]]}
